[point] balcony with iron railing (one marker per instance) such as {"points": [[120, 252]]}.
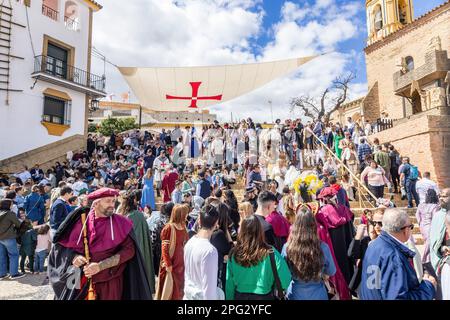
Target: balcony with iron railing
{"points": [[435, 67], [56, 71], [71, 24], [50, 12], [382, 125]]}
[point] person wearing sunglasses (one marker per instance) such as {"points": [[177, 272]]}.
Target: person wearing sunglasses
{"points": [[366, 232], [388, 269]]}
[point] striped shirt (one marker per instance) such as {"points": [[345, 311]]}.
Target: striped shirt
{"points": [[363, 150]]}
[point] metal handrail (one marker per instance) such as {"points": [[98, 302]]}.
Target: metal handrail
{"points": [[360, 184]]}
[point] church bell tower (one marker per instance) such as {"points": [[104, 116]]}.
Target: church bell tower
{"points": [[387, 16]]}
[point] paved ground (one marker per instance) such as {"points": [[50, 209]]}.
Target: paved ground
{"points": [[30, 287]]}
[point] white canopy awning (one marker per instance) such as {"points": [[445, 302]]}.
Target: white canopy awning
{"points": [[191, 88]]}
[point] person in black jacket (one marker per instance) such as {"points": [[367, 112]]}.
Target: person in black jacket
{"points": [[59, 210], [90, 145], [120, 177], [267, 203], [357, 249], [59, 172], [37, 174], [221, 240]]}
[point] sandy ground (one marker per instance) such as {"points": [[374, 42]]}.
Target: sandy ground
{"points": [[30, 287]]}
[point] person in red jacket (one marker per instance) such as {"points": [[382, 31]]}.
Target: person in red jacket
{"points": [[168, 183]]}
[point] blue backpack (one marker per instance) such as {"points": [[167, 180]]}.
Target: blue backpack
{"points": [[413, 173]]}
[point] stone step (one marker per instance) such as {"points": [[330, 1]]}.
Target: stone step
{"points": [[418, 239]]}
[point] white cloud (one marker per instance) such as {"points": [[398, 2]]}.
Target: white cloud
{"points": [[214, 32]]}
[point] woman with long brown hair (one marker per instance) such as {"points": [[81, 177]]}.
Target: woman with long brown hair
{"points": [[249, 270], [308, 258], [171, 272]]}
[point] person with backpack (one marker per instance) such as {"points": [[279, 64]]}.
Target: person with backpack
{"points": [[409, 174]]}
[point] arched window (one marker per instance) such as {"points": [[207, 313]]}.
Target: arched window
{"points": [[378, 18], [71, 16], [409, 61]]}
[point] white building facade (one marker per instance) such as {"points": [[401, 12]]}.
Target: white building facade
{"points": [[46, 87]]}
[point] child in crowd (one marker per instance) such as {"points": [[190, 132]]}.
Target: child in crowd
{"points": [[27, 245], [177, 195], [42, 247]]}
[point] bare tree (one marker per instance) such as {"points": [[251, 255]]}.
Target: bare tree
{"points": [[323, 106]]}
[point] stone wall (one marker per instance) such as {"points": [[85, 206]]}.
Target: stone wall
{"points": [[426, 140], [371, 104], [45, 156], [383, 58]]}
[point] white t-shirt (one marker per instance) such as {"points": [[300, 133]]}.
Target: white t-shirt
{"points": [[201, 267], [127, 142], [78, 186], [422, 187]]}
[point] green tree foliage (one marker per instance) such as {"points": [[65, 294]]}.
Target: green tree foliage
{"points": [[110, 125], [92, 128]]}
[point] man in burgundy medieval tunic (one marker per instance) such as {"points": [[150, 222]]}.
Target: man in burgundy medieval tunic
{"points": [[116, 267], [335, 228], [168, 184]]}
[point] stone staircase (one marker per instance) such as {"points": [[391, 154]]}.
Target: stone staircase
{"points": [[401, 204]]}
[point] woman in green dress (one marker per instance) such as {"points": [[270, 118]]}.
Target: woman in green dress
{"points": [[337, 139]]}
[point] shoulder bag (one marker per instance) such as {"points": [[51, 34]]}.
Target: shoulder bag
{"points": [[278, 292]]}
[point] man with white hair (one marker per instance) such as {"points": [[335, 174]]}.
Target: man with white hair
{"points": [[388, 271]]}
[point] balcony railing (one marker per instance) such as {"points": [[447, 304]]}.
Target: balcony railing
{"points": [[49, 12], [60, 69], [71, 24], [382, 124]]}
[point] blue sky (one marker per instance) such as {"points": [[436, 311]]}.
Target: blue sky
{"points": [[170, 33], [357, 43]]}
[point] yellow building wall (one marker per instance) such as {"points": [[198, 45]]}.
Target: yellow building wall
{"points": [[383, 62]]}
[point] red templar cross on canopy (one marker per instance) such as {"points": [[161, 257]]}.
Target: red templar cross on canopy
{"points": [[194, 98]]}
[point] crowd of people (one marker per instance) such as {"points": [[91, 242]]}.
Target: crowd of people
{"points": [[231, 211]]}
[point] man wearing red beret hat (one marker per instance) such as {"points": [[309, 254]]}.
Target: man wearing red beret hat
{"points": [[116, 269], [335, 228]]}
